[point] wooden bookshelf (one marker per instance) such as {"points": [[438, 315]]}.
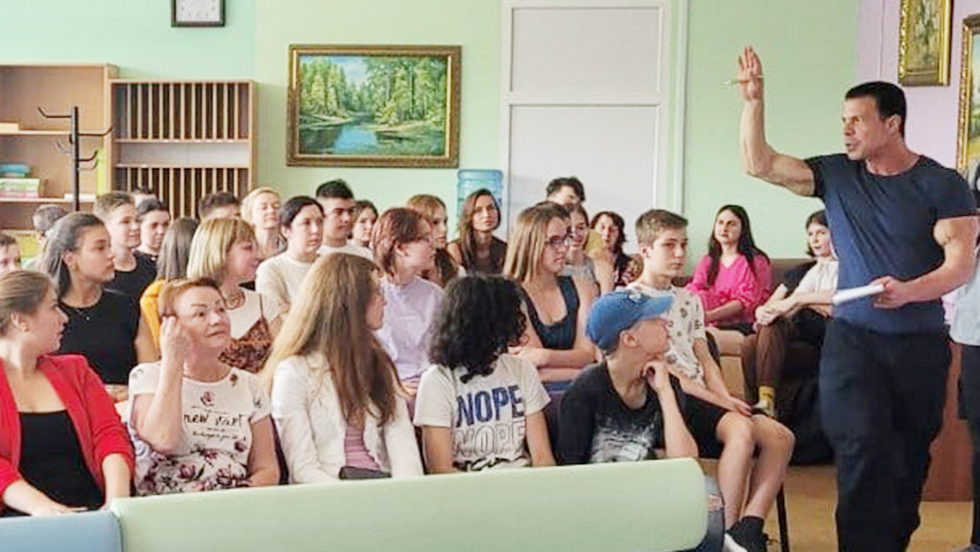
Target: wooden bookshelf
{"points": [[183, 139], [54, 88]]}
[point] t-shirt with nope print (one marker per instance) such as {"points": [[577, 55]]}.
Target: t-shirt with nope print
{"points": [[487, 414]]}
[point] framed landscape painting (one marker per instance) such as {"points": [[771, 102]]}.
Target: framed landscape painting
{"points": [[923, 50], [373, 106], [968, 137]]}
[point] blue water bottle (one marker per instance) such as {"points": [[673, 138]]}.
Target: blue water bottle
{"points": [[471, 180]]}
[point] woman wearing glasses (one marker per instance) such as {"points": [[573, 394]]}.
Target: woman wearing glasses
{"points": [[556, 306]]}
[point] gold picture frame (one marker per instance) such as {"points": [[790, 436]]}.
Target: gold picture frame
{"points": [[968, 137], [924, 35], [373, 106]]}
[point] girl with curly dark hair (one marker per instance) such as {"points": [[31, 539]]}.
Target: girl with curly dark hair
{"points": [[479, 407]]}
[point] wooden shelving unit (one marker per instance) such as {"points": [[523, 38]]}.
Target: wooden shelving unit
{"points": [[183, 139], [54, 88]]}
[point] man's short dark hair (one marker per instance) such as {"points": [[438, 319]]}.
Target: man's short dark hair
{"points": [[572, 182], [334, 189], [148, 206], [6, 240], [214, 201], [889, 99]]}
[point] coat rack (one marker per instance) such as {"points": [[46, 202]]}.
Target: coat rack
{"points": [[74, 150]]}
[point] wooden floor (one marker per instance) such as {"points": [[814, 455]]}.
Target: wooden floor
{"points": [[810, 500]]}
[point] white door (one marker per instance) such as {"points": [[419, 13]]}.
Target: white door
{"points": [[586, 93]]}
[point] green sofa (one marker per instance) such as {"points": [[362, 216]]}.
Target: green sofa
{"points": [[650, 506]]}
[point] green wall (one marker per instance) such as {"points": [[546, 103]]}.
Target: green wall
{"points": [[809, 56], [809, 50], [134, 35], [473, 24]]}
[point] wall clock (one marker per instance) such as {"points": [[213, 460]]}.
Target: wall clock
{"points": [[197, 13]]}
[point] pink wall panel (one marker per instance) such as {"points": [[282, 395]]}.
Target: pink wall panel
{"points": [[931, 128]]}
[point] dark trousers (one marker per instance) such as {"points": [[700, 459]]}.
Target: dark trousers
{"points": [[777, 350], [881, 399], [970, 407]]}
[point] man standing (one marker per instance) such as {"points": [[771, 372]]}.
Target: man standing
{"points": [[903, 221]]}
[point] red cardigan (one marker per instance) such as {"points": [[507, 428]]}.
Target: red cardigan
{"points": [[92, 412]]}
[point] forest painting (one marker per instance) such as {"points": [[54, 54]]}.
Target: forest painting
{"points": [[968, 140], [374, 106]]}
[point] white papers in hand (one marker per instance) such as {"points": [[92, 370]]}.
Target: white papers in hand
{"points": [[851, 294]]}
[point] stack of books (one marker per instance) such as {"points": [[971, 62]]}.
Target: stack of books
{"points": [[15, 181]]}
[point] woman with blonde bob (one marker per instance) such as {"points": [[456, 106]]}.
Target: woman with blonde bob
{"points": [[556, 306], [224, 250], [260, 209], [197, 423], [336, 400]]}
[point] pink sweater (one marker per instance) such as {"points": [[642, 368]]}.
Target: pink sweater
{"points": [[735, 282]]}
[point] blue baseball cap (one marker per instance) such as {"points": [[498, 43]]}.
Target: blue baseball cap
{"points": [[620, 310]]}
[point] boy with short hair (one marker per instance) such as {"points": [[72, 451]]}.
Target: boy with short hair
{"points": [[219, 205], [133, 273], [9, 254], [608, 414], [337, 200], [736, 431]]}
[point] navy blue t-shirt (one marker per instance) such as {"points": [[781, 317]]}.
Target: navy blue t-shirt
{"points": [[883, 226]]}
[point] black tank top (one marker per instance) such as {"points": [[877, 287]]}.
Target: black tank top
{"points": [[51, 460], [560, 335], [106, 334]]}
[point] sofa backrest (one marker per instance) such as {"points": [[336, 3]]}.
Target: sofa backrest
{"points": [[85, 532], [651, 506]]}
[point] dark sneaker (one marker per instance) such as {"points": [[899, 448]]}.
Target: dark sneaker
{"points": [[747, 532]]}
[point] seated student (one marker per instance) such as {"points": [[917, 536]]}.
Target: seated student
{"points": [[225, 251], [797, 316], [62, 446], [557, 306], [477, 249], [153, 217], [260, 209], [171, 265], [280, 277], [725, 424], [577, 263], [338, 217], [569, 192], [219, 205], [197, 423], [608, 414], [434, 210], [9, 254], [614, 268], [734, 278], [104, 326], [365, 214], [478, 320], [336, 401], [132, 273], [403, 249], [43, 220]]}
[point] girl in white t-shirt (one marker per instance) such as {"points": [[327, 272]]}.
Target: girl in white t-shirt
{"points": [[225, 250], [479, 407]]}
